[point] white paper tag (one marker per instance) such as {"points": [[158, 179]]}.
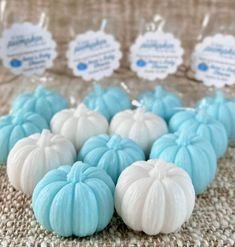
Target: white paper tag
{"points": [[213, 60], [27, 49], [94, 55], [156, 55]]}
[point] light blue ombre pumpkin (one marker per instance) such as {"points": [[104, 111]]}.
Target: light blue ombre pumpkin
{"points": [[199, 122], [42, 101], [111, 153], [108, 101], [17, 126], [75, 200], [161, 102], [192, 153], [223, 110]]}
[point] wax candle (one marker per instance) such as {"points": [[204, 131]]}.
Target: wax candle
{"points": [[139, 125], [154, 196], [75, 200]]}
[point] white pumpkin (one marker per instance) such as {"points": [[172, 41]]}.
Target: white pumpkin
{"points": [[79, 124], [140, 126], [154, 196], [32, 157]]}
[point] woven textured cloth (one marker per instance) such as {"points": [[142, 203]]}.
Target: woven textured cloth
{"points": [[213, 219], [211, 224]]}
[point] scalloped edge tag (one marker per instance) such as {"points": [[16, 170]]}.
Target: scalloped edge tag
{"points": [[213, 60], [155, 55], [94, 55], [27, 49]]}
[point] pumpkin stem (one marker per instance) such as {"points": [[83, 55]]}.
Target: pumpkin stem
{"points": [[159, 91], [80, 110], [158, 173], [39, 90], [202, 115], [139, 114], [114, 141], [98, 89], [44, 138], [185, 138], [219, 96], [18, 117], [76, 173], [203, 104]]}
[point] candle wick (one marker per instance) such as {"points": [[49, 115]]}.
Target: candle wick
{"points": [[103, 25]]}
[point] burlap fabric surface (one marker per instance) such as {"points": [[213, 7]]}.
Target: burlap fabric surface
{"points": [[213, 219]]}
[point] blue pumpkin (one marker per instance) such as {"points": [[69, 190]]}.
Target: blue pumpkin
{"points": [[42, 101], [199, 122], [75, 200], [223, 110], [108, 101], [161, 102], [111, 153], [17, 126], [192, 153]]}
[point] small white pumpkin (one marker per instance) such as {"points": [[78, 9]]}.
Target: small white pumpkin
{"points": [[32, 157], [140, 126], [154, 196], [79, 124]]}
